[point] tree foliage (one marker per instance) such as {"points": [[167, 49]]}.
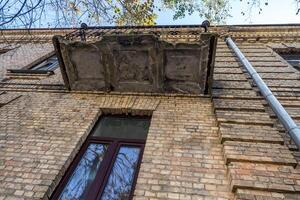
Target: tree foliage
{"points": [[212, 10], [70, 13]]}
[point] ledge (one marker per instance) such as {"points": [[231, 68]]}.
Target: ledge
{"points": [[137, 63]]}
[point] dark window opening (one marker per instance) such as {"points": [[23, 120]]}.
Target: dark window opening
{"points": [[292, 58], [3, 51], [107, 165]]}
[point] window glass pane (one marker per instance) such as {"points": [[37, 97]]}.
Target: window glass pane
{"points": [[291, 56], [123, 127], [36, 67], [293, 59], [47, 65], [53, 66], [121, 177], [84, 174], [44, 67]]}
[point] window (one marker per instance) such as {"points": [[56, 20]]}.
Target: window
{"points": [[106, 167], [49, 64], [292, 58], [3, 51]]}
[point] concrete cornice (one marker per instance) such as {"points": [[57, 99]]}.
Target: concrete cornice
{"points": [[242, 33]]}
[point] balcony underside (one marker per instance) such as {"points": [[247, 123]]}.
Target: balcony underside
{"points": [[137, 63]]}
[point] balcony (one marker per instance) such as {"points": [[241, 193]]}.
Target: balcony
{"points": [[151, 60]]}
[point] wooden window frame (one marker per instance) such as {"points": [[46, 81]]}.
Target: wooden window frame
{"points": [[97, 187]]}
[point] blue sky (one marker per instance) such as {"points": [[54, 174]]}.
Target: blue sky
{"points": [[277, 12]]}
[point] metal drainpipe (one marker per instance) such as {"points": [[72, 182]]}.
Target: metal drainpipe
{"points": [[288, 123]]}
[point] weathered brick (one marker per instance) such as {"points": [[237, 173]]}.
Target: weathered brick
{"points": [[231, 85], [234, 93], [41, 132], [258, 152], [238, 104], [249, 133], [243, 117]]}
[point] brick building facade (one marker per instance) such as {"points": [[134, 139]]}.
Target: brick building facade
{"points": [[227, 145]]}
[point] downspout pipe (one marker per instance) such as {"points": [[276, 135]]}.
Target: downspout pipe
{"points": [[288, 123]]}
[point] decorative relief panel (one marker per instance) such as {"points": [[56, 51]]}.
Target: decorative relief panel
{"points": [[134, 64], [182, 73], [85, 67], [137, 63], [130, 69]]}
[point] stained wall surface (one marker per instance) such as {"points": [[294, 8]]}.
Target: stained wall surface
{"points": [[42, 132], [229, 145]]}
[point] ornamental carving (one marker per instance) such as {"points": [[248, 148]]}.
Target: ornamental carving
{"points": [[137, 63]]}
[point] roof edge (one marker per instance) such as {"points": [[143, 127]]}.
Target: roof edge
{"points": [[296, 25]]}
